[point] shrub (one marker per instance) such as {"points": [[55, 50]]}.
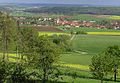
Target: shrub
{"points": [[81, 32]]}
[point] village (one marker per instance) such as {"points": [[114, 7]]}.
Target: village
{"points": [[61, 21]]}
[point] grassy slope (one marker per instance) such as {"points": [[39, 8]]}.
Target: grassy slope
{"points": [[94, 43], [84, 80], [86, 46], [76, 58], [86, 29]]}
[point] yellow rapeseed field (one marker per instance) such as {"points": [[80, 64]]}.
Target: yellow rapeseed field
{"points": [[115, 17], [76, 66], [103, 33], [52, 33]]}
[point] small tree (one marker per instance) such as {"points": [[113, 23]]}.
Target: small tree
{"points": [[27, 41], [100, 66], [114, 53], [63, 41], [48, 54], [7, 28]]}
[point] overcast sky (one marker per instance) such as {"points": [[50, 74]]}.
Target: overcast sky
{"points": [[91, 2]]}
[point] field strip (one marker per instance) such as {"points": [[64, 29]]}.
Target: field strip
{"points": [[104, 33], [52, 33], [76, 66]]}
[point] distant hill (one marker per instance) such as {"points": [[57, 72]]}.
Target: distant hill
{"points": [[62, 8], [76, 10]]}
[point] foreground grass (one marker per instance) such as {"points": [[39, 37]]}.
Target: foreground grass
{"points": [[85, 80]]}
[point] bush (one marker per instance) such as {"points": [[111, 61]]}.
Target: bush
{"points": [[80, 32], [19, 74], [3, 71]]}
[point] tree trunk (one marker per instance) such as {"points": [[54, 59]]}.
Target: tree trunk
{"points": [[115, 73], [101, 81], [4, 43], [44, 76]]}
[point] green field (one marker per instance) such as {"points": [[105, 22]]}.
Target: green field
{"points": [[86, 29], [76, 58], [86, 46], [86, 17], [85, 80], [94, 43]]}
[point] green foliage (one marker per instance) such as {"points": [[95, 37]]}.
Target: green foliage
{"points": [[4, 71], [100, 66], [114, 53], [106, 62], [80, 32], [7, 33], [19, 74], [48, 54], [26, 41], [63, 42]]}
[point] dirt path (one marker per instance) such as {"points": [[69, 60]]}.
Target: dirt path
{"points": [[72, 37]]}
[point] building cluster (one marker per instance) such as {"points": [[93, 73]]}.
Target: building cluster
{"points": [[47, 21]]}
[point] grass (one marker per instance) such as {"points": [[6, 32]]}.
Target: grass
{"points": [[86, 29], [94, 44], [114, 17], [85, 80], [76, 58], [75, 66], [86, 17]]}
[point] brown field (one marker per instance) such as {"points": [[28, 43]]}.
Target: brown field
{"points": [[45, 28]]}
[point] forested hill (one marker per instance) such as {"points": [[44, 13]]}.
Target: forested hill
{"points": [[76, 10]]}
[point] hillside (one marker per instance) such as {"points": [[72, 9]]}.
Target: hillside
{"points": [[76, 10]]}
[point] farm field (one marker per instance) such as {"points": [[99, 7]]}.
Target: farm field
{"points": [[26, 14], [87, 17], [104, 33], [86, 29], [53, 33], [86, 46], [114, 17], [93, 44], [76, 58]]}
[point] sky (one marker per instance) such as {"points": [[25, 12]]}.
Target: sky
{"points": [[90, 2]]}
